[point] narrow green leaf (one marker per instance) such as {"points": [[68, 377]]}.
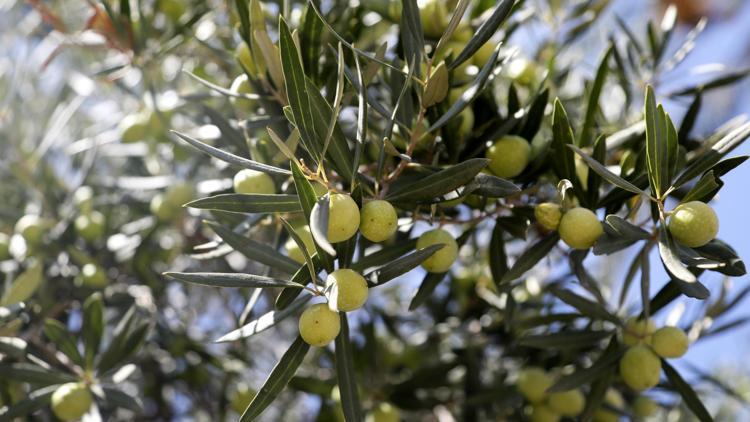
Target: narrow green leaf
{"points": [[58, 335], [310, 41], [587, 132], [247, 203], [585, 306], [298, 240], [565, 340], [231, 280], [345, 374], [704, 189], [686, 280], [533, 119], [231, 158], [296, 91], [34, 374], [606, 363], [692, 401], [253, 250], [485, 32], [435, 185], [412, 36], [492, 186], [264, 322], [277, 380], [116, 348], [93, 327], [469, 94], [36, 400], [601, 170], [24, 286], [13, 346], [122, 399], [724, 79], [497, 258], [385, 255], [621, 227], [562, 136], [530, 257], [428, 285], [401, 265], [709, 158], [319, 224], [690, 118]]}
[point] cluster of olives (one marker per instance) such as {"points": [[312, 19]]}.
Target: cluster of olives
{"points": [[346, 289], [533, 383], [578, 227], [640, 366]]}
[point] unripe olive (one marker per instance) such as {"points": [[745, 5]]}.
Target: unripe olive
{"points": [[245, 57], [694, 224], [378, 220], [567, 403], [93, 276], [509, 156], [83, 199], [467, 122], [319, 325], [614, 399], [533, 383], [548, 215], [343, 218], [241, 398], [71, 401], [522, 71], [173, 9], [640, 368], [482, 56], [580, 228], [637, 331], [163, 210], [442, 260], [90, 226], [180, 194], [134, 127], [253, 182], [31, 228], [644, 407], [347, 290], [542, 413], [293, 250], [384, 412], [434, 16], [4, 246], [670, 342], [240, 85]]}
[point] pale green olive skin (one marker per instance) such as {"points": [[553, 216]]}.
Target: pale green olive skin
{"points": [[580, 228], [249, 181], [319, 325], [378, 221], [71, 401], [509, 156], [442, 260], [347, 290], [693, 224], [640, 368]]}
